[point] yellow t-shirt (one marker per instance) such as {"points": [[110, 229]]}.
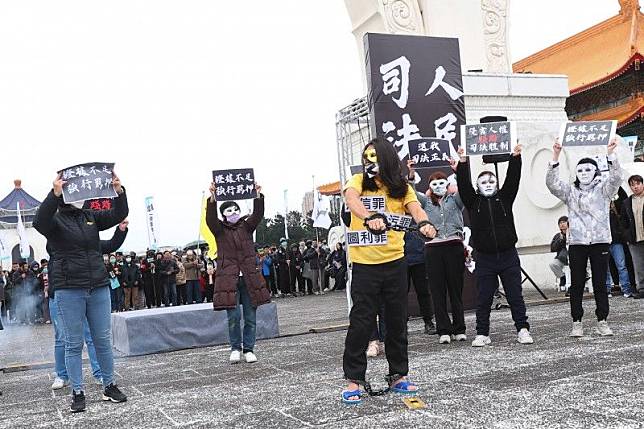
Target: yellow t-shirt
{"points": [[394, 249]]}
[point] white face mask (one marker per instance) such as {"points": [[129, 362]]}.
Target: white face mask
{"points": [[438, 187], [487, 185], [78, 204], [586, 173]]}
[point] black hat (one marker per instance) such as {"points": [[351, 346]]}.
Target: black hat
{"points": [[563, 219], [227, 204]]}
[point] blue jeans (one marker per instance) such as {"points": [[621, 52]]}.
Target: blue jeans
{"points": [[74, 306], [617, 252], [172, 292], [59, 345], [193, 291], [234, 316]]}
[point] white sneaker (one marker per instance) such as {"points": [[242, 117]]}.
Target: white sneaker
{"points": [[444, 339], [603, 329], [577, 330], [481, 340], [460, 337], [373, 349], [524, 337], [250, 357], [59, 383], [610, 295], [235, 356]]}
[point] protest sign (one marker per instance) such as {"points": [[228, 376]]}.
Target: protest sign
{"points": [[429, 152], [492, 138], [587, 133], [237, 184], [88, 181]]}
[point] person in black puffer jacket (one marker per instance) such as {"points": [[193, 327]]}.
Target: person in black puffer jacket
{"points": [[81, 280], [494, 238]]}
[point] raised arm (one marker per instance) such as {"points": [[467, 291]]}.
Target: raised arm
{"points": [[258, 211], [114, 243], [105, 219], [212, 220], [44, 219], [555, 185], [615, 172], [464, 182], [513, 176]]}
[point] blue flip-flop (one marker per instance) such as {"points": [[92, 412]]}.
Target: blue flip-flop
{"points": [[346, 394], [403, 387]]}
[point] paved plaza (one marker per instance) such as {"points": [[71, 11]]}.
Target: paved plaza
{"points": [[558, 382]]}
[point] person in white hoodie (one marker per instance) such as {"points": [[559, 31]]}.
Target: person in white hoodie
{"points": [[588, 199]]}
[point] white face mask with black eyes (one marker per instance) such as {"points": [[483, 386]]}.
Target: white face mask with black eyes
{"points": [[438, 187], [586, 173], [487, 185]]}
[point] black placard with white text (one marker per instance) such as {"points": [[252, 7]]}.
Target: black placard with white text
{"points": [[237, 184], [88, 181]]}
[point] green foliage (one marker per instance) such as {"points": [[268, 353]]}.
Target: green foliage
{"points": [[271, 230]]}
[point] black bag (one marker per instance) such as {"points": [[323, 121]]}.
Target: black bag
{"points": [[562, 256]]}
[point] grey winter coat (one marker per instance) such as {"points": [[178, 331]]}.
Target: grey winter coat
{"points": [[588, 205]]}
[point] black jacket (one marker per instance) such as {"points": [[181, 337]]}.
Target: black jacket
{"points": [[491, 218], [107, 246], [72, 236], [628, 221], [131, 275], [311, 256]]}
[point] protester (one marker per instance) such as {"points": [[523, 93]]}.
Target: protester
{"points": [[81, 281], [494, 238], [616, 248], [147, 276], [588, 200], [131, 281], [311, 271], [339, 267], [210, 274], [192, 266], [23, 294], [379, 271], [62, 378], [168, 268], [559, 246], [633, 222], [267, 268], [182, 298], [296, 264], [239, 280], [282, 262], [445, 255], [160, 292]]}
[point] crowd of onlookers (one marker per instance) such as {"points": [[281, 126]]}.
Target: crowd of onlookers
{"points": [[171, 278]]}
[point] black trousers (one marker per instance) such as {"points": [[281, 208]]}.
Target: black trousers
{"points": [[296, 275], [507, 266], [417, 274], [370, 285], [445, 268], [284, 279], [148, 290], [158, 291], [182, 294], [578, 256]]}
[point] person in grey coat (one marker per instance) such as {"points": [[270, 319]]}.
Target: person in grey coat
{"points": [[588, 199]]}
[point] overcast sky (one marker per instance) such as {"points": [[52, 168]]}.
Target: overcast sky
{"points": [[171, 90]]}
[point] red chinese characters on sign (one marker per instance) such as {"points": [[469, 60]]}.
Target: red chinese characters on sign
{"points": [[101, 204]]}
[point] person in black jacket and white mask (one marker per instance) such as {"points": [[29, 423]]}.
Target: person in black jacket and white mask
{"points": [[82, 283], [494, 238]]}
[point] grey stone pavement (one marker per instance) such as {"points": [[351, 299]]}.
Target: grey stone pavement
{"points": [[559, 382]]}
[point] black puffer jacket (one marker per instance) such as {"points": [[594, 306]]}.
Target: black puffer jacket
{"points": [[491, 218], [72, 236]]}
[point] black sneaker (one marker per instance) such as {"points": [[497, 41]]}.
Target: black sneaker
{"points": [[112, 393], [78, 402], [430, 329]]}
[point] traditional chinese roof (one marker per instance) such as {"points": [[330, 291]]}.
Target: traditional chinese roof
{"points": [[596, 55], [330, 189], [624, 113], [8, 212]]}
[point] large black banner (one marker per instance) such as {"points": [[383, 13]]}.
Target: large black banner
{"points": [[415, 90]]}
